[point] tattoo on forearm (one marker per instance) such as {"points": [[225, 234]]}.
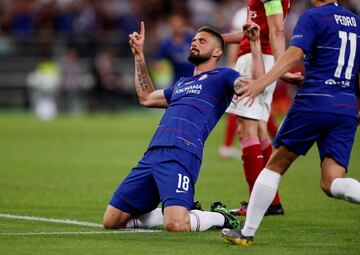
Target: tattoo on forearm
{"points": [[238, 84], [141, 75]]}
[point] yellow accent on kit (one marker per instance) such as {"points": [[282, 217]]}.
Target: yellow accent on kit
{"points": [[273, 7], [238, 241]]}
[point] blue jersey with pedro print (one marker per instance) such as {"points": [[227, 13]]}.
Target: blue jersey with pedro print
{"points": [[330, 37], [195, 105]]}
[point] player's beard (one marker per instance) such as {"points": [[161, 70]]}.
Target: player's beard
{"points": [[197, 59]]}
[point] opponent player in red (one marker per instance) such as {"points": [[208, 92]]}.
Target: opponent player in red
{"points": [[252, 121]]}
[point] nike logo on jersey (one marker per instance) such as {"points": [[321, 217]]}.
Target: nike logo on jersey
{"points": [[180, 191]]}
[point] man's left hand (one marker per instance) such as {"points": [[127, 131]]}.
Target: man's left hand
{"points": [[293, 78], [249, 91]]}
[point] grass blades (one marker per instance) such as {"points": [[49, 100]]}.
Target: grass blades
{"points": [[69, 168]]}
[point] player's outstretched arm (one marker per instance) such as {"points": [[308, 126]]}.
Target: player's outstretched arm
{"points": [[148, 96], [252, 32], [238, 36], [234, 37], [276, 33], [275, 20]]}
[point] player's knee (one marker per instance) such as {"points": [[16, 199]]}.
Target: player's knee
{"points": [[244, 132], [177, 226], [115, 218], [176, 219], [326, 187], [246, 128], [263, 131], [111, 223], [240, 129]]}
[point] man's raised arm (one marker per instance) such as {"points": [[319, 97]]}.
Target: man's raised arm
{"points": [[275, 20], [252, 32], [233, 37], [258, 66], [148, 96]]}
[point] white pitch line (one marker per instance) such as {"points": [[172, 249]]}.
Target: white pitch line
{"points": [[62, 221], [69, 222], [123, 231]]}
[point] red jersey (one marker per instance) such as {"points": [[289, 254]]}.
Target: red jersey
{"points": [[257, 14]]}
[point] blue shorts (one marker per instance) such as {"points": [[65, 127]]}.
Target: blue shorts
{"points": [[333, 133], [164, 174]]}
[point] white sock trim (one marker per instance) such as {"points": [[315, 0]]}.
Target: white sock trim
{"points": [[346, 188], [203, 220], [269, 178]]}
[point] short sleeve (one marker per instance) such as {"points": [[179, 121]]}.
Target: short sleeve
{"points": [[231, 75], [167, 93], [304, 33]]}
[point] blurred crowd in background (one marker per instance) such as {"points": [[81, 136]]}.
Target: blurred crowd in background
{"points": [[72, 55]]}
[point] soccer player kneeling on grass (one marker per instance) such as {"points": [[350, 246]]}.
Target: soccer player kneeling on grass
{"points": [[168, 171]]}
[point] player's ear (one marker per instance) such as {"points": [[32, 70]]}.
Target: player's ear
{"points": [[217, 53]]}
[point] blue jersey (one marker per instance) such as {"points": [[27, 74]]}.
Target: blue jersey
{"points": [[195, 106], [330, 37], [177, 54]]}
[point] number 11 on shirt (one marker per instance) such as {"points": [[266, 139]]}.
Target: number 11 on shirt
{"points": [[345, 37]]}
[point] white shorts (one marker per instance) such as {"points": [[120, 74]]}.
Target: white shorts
{"points": [[260, 109]]}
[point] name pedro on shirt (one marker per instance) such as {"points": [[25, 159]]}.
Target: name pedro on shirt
{"points": [[345, 20], [193, 89]]}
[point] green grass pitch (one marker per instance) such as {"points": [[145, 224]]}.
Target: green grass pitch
{"points": [[68, 169]]}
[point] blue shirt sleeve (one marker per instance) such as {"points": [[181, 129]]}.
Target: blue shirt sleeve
{"points": [[305, 32], [231, 76], [168, 93]]}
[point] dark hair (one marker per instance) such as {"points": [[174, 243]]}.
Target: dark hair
{"points": [[215, 33]]}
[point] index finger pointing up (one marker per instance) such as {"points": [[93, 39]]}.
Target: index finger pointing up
{"points": [[142, 28], [248, 15]]}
